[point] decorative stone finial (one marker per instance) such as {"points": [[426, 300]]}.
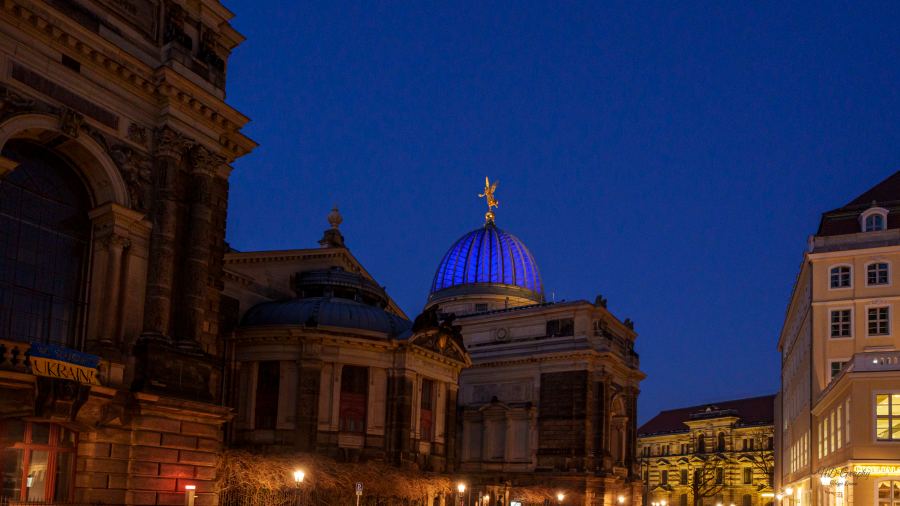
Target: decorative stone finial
{"points": [[333, 237], [334, 218]]}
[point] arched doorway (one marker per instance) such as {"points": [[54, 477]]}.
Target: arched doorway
{"points": [[45, 234]]}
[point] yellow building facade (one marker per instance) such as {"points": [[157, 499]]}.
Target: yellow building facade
{"points": [[839, 406], [717, 454]]}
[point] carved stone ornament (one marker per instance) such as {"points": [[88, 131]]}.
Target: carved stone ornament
{"points": [[137, 170], [204, 161], [171, 143], [138, 134], [70, 122], [12, 103]]}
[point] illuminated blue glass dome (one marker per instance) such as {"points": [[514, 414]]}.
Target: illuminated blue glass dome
{"points": [[488, 260]]}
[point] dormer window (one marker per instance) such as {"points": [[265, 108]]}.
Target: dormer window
{"points": [[874, 219]]}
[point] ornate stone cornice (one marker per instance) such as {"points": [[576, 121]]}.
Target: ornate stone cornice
{"points": [[133, 74]]}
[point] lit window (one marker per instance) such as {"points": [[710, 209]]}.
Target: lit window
{"points": [[874, 222], [354, 399], [889, 493], [887, 417], [879, 321], [840, 323], [836, 367], [840, 276], [877, 274], [30, 451]]}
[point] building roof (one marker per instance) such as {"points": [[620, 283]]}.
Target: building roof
{"points": [[484, 260], [327, 312], [845, 220], [751, 411]]}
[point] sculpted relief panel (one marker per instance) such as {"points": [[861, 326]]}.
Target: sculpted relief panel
{"points": [[504, 392]]}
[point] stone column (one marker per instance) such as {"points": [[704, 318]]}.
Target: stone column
{"points": [[116, 246], [450, 428], [306, 425], [398, 433], [196, 267], [170, 149]]}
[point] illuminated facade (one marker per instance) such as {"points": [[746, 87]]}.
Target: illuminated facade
{"points": [[712, 454], [549, 402], [325, 361], [839, 406]]}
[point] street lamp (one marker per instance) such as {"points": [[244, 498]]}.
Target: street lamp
{"points": [[621, 499], [298, 477], [461, 489], [486, 499], [559, 497], [189, 491]]}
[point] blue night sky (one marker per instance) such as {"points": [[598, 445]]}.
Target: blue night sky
{"points": [[671, 158]]}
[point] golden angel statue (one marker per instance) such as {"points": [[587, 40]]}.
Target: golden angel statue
{"points": [[488, 194]]}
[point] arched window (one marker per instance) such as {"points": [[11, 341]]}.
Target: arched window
{"points": [[840, 276], [720, 446], [44, 237], [701, 444], [874, 222]]}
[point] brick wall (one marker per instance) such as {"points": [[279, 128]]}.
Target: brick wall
{"points": [[164, 446]]}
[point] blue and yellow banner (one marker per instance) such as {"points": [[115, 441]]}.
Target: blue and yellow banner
{"points": [[54, 361]]}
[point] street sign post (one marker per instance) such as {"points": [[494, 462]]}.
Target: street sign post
{"points": [[359, 489]]}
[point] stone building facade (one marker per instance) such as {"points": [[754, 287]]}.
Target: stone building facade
{"points": [[325, 362], [549, 403], [837, 432], [116, 144], [711, 454]]}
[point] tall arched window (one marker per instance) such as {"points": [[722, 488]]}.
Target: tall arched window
{"points": [[701, 444], [44, 237], [720, 444]]}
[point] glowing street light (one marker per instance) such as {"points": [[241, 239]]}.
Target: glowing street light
{"points": [[559, 497], [298, 477], [189, 491], [621, 499], [789, 491]]}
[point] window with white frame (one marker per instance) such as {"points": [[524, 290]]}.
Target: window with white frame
{"points": [[879, 321], [841, 323], [877, 274], [874, 222], [837, 366], [887, 417], [840, 276]]}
